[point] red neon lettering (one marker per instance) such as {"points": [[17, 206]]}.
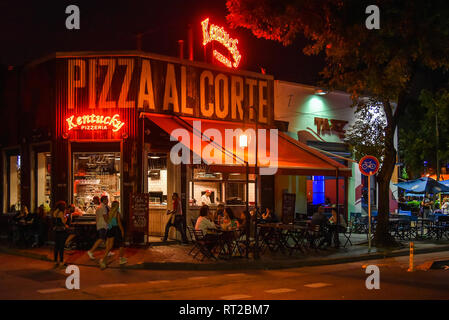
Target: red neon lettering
{"points": [[216, 33], [95, 122]]}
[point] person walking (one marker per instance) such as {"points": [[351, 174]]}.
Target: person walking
{"points": [[101, 213], [59, 230], [115, 233], [176, 220]]}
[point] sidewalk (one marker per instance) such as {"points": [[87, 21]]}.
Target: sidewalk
{"points": [[176, 257]]}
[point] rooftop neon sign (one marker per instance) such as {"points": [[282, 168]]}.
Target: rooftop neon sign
{"points": [[95, 122], [216, 33]]}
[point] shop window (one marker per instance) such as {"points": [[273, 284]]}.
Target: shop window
{"points": [[318, 189], [43, 179], [95, 174], [14, 179], [227, 188], [157, 178]]}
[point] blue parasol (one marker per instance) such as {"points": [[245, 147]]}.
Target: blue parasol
{"points": [[423, 185]]}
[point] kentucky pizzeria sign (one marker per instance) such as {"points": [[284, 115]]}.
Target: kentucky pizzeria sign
{"points": [[95, 122]]}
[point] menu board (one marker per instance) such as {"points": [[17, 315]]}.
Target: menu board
{"points": [[288, 207], [139, 212]]}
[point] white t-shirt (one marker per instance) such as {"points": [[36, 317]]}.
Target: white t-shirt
{"points": [[205, 200], [100, 212], [204, 224]]}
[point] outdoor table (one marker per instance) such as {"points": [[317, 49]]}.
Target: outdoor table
{"points": [[422, 225], [278, 235], [227, 242]]}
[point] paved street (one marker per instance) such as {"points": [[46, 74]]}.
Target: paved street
{"points": [[23, 278]]}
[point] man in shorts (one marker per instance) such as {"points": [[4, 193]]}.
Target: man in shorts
{"points": [[101, 216]]}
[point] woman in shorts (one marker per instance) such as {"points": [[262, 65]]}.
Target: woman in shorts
{"points": [[115, 233]]}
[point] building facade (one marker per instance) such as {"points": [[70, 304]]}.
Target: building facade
{"points": [[320, 120], [85, 124]]}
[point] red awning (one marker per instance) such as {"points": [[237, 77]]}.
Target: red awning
{"points": [[217, 142]]}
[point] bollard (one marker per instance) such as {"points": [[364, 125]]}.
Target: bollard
{"points": [[410, 263]]}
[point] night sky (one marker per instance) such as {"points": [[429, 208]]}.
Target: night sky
{"points": [[31, 29]]}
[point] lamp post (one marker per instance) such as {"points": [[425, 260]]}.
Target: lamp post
{"points": [[256, 238], [244, 143]]}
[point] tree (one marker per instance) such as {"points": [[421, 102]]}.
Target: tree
{"points": [[418, 140], [367, 134], [385, 64]]}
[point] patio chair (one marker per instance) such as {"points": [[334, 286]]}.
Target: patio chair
{"points": [[195, 247], [347, 234], [193, 221], [315, 236], [441, 227], [205, 246]]}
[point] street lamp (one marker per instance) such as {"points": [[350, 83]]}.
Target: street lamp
{"points": [[243, 140]]}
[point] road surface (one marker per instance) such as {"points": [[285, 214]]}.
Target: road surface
{"points": [[24, 278]]}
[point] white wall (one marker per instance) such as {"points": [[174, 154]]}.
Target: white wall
{"points": [[299, 106]]}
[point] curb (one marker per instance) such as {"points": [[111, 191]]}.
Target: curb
{"points": [[250, 265]]}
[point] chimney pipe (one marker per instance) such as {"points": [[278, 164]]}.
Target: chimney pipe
{"points": [[181, 49], [190, 41]]}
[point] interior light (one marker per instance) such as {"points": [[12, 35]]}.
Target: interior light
{"points": [[243, 141], [320, 91]]}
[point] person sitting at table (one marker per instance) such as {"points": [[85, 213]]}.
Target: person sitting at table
{"points": [[336, 228], [208, 228], [319, 218], [229, 220], [445, 206], [203, 222]]}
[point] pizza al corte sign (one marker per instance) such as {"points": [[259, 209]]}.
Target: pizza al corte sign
{"points": [[112, 84], [94, 122]]}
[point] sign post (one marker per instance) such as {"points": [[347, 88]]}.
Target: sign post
{"points": [[369, 165]]}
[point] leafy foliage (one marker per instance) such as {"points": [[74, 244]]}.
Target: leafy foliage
{"points": [[384, 64], [417, 133], [366, 135]]}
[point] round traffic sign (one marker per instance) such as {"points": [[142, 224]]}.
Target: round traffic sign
{"points": [[368, 165]]}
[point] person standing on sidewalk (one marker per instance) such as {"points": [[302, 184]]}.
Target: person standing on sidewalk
{"points": [[176, 220], [60, 233], [101, 213], [115, 233]]}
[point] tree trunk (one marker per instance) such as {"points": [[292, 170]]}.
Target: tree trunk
{"points": [[382, 236]]}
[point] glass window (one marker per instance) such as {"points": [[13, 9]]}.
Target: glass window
{"points": [[43, 178], [157, 178], [95, 174], [229, 188], [14, 181]]}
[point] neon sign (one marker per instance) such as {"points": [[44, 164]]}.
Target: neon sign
{"points": [[216, 33], [95, 122]]}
